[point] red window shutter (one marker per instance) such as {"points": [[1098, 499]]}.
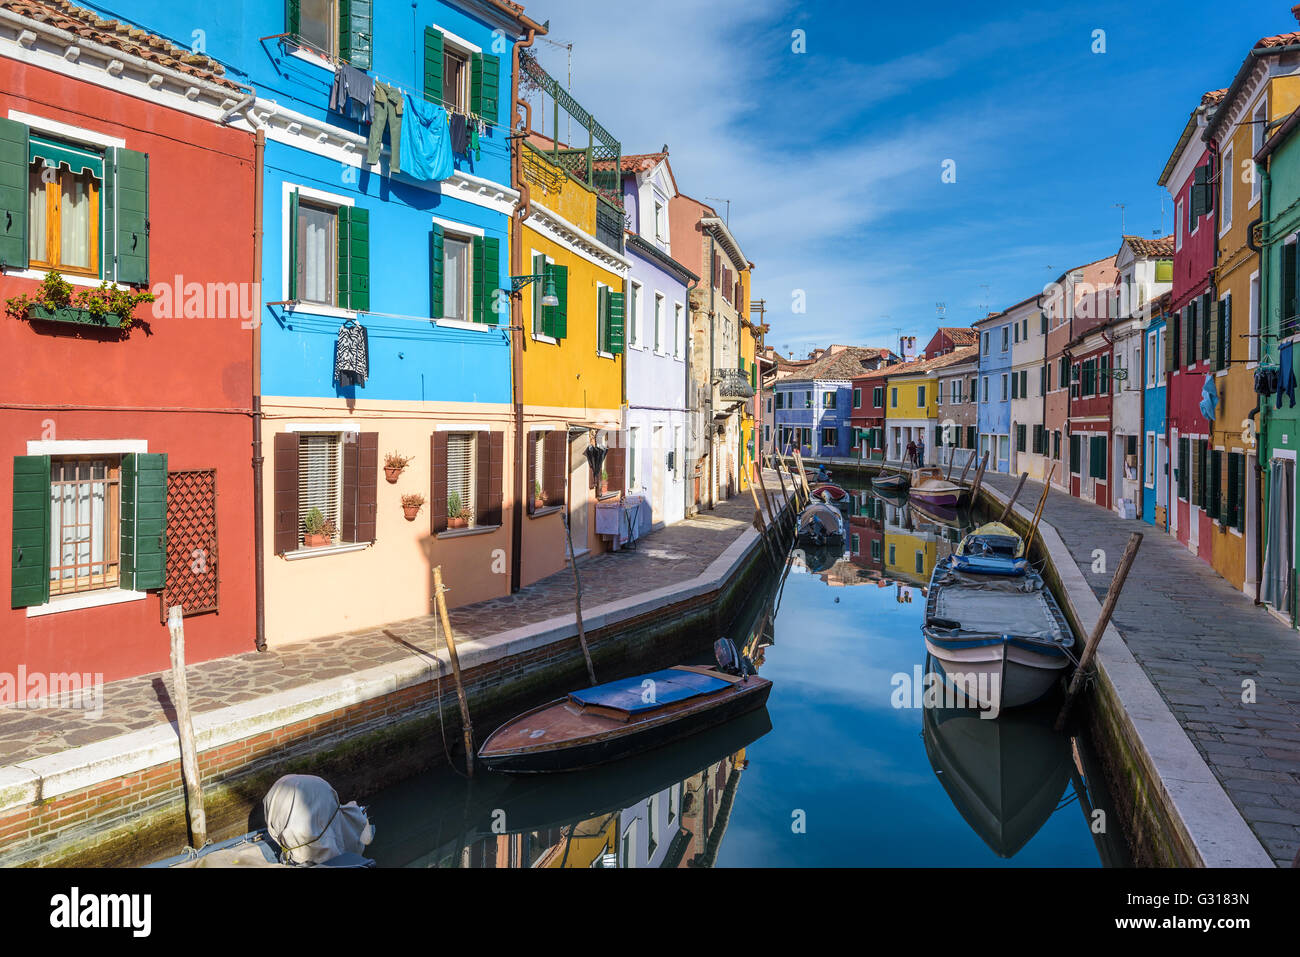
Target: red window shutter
{"points": [[285, 495], [360, 486], [438, 483], [488, 478], [555, 465]]}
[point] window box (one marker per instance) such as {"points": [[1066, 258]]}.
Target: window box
{"points": [[74, 315]]}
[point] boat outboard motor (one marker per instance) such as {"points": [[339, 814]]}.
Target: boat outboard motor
{"points": [[730, 660]]}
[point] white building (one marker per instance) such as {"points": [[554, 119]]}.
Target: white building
{"points": [[1029, 440]]}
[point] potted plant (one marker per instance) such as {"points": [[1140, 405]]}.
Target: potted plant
{"points": [[539, 500], [394, 465], [411, 505], [317, 529], [458, 514], [604, 481], [106, 306]]}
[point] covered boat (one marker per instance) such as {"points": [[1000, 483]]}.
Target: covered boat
{"points": [[829, 492], [991, 549], [820, 524], [1001, 638], [620, 718], [929, 487]]}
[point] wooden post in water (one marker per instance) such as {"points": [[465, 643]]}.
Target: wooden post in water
{"points": [[577, 600], [969, 459], [979, 477], [771, 514], [185, 728], [785, 499], [1094, 639], [760, 526], [803, 477], [467, 726], [1038, 512], [1014, 495]]}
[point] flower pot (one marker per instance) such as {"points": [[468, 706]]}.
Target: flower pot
{"points": [[75, 315], [539, 504], [458, 523], [391, 473], [315, 541], [410, 511]]}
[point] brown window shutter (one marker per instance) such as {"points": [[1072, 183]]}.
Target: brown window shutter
{"points": [[367, 485], [557, 459], [487, 481], [615, 465], [286, 492], [438, 483], [351, 488], [716, 268], [530, 490]]}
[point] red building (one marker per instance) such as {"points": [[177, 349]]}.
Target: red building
{"points": [[1092, 360], [127, 475], [1188, 175], [867, 413], [949, 338]]}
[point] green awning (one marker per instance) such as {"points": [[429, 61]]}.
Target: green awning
{"points": [[78, 159]]}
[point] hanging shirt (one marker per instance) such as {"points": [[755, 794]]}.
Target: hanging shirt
{"points": [[1285, 375], [1209, 398], [426, 147], [352, 355], [459, 134], [353, 93]]}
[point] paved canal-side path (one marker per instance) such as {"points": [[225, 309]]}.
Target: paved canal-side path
{"points": [[672, 555], [1198, 638]]}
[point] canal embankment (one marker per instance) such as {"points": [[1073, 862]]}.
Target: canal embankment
{"points": [[362, 709], [1193, 709]]}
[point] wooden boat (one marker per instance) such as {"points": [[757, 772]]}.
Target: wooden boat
{"points": [[930, 487], [991, 549], [1000, 637], [621, 718], [889, 480], [829, 492], [819, 524]]}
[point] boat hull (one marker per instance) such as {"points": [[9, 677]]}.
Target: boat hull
{"points": [[635, 737], [1000, 673], [890, 481], [937, 498]]}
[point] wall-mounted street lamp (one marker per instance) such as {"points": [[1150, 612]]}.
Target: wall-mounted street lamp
{"points": [[549, 298]]}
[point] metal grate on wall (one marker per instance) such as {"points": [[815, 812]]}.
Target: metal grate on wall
{"points": [[192, 579]]}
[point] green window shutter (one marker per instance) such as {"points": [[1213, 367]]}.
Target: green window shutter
{"points": [[293, 246], [1215, 492], [487, 271], [1189, 334], [1165, 270], [615, 323], [1075, 447], [556, 318], [602, 319], [142, 547], [433, 52], [1206, 312], [437, 271], [128, 209], [29, 581], [1183, 471], [1171, 343], [292, 17], [13, 195], [1240, 472], [485, 85], [1234, 492], [354, 258], [1216, 336], [355, 32]]}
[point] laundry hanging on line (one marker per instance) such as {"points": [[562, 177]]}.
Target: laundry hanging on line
{"points": [[353, 93], [1285, 375], [459, 134], [1209, 398], [389, 104], [352, 355], [427, 150]]}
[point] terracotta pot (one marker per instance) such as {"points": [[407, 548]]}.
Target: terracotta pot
{"points": [[315, 541], [410, 511], [539, 504], [391, 472], [458, 523]]}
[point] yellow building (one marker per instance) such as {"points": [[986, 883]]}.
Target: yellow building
{"points": [[912, 404], [570, 377]]}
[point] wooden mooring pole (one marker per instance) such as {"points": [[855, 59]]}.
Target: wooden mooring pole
{"points": [[978, 480], [969, 459], [1038, 512], [1094, 639], [577, 600], [467, 727], [1014, 495], [185, 729]]}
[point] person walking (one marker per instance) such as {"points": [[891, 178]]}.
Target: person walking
{"points": [[920, 452], [910, 456]]}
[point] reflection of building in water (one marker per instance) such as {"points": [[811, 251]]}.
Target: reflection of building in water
{"points": [[707, 799], [867, 532]]}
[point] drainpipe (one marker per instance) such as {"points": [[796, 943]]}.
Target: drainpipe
{"points": [[259, 543], [1265, 198], [250, 96], [713, 464], [687, 484], [517, 345]]}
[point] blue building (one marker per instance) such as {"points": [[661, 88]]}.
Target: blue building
{"points": [[994, 378], [386, 199], [1155, 442], [812, 406]]}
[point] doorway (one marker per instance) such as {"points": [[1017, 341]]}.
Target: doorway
{"points": [[579, 480]]}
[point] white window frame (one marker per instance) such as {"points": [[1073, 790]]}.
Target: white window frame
{"points": [[679, 328], [1227, 177], [317, 196], [634, 318], [660, 307], [1178, 225], [1259, 118]]}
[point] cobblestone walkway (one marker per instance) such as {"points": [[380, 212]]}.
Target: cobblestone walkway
{"points": [[671, 555], [1198, 639]]}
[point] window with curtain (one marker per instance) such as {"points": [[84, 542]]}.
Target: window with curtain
{"points": [[63, 205], [317, 264], [320, 469], [84, 510], [659, 322], [456, 277], [461, 469]]}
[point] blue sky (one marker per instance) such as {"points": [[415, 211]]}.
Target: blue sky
{"points": [[832, 158]]}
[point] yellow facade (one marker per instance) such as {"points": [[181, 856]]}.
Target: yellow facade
{"points": [[910, 557], [903, 397]]}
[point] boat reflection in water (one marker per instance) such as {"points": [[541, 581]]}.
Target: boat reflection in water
{"points": [[1007, 777], [665, 808]]}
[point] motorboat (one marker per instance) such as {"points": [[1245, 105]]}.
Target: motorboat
{"points": [[890, 481], [1002, 638], [829, 492], [819, 524], [610, 721], [930, 487], [991, 549]]}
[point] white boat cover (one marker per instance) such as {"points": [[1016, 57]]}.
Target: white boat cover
{"points": [[304, 817], [996, 605]]}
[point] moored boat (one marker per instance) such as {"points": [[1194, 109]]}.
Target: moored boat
{"points": [[889, 481], [1001, 638], [620, 718], [930, 487], [819, 524], [991, 549], [829, 492]]}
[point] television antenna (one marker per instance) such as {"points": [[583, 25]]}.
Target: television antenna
{"points": [[719, 199]]}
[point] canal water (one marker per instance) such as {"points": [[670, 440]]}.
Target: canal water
{"points": [[843, 767]]}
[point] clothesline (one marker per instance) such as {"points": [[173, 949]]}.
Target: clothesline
{"points": [[283, 303]]}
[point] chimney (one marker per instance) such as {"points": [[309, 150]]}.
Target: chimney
{"points": [[1295, 12]]}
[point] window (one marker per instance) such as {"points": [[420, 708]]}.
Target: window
{"points": [[857, 398], [830, 437], [1178, 225], [1150, 470], [610, 321], [986, 389], [634, 438], [920, 397], [1153, 339], [633, 313], [1006, 338], [455, 278], [659, 322], [677, 331], [319, 482], [829, 400], [84, 509], [780, 400], [661, 222], [1017, 332], [954, 390], [920, 563], [1040, 441], [318, 24], [455, 80], [875, 547], [891, 554], [893, 398], [878, 397], [329, 256], [1252, 354], [1056, 444], [462, 467], [1020, 438], [1015, 386], [1004, 387], [855, 544], [807, 399], [64, 207], [1226, 180], [985, 349]]}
